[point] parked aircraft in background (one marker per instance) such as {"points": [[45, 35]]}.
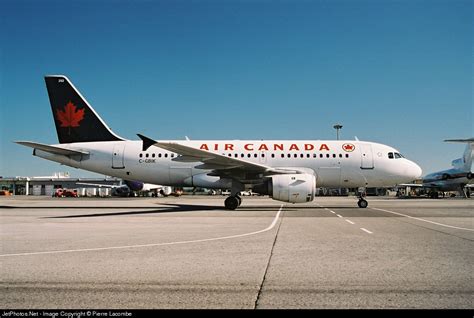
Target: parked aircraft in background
{"points": [[287, 170], [131, 188], [457, 178]]}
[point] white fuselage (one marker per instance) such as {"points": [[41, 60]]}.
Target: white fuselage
{"points": [[334, 163]]}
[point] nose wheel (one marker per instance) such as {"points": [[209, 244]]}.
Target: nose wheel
{"points": [[362, 203]]}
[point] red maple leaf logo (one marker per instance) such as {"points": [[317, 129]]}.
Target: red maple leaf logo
{"points": [[70, 117], [348, 147]]}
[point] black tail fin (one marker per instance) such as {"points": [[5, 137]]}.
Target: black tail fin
{"points": [[75, 119]]}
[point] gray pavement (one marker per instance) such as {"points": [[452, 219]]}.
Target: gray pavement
{"points": [[189, 252]]}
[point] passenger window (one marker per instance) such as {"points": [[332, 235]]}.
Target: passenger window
{"points": [[153, 155], [295, 155], [166, 155], [146, 155], [255, 155], [159, 155], [249, 155], [289, 155], [340, 155], [347, 155], [140, 155], [273, 155], [334, 155], [302, 155], [327, 155]]}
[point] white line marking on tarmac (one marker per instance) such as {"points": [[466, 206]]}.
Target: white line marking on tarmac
{"points": [[271, 226], [365, 230], [350, 221], [423, 220], [339, 216]]}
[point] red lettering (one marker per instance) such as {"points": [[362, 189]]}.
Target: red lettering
{"points": [[324, 147], [216, 146], [204, 147], [308, 147], [262, 147], [247, 147], [229, 147], [294, 147], [278, 147]]}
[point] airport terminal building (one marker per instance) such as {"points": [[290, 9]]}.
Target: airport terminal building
{"points": [[47, 185]]}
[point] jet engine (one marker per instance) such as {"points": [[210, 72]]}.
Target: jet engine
{"points": [[293, 188]]}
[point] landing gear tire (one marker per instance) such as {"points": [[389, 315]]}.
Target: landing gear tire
{"points": [[362, 203], [231, 203], [239, 199]]}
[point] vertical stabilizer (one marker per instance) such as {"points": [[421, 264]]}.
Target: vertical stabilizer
{"points": [[464, 163], [75, 119]]}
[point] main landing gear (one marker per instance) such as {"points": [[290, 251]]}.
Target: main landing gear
{"points": [[232, 202]]}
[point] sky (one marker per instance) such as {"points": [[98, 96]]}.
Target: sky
{"points": [[394, 72]]}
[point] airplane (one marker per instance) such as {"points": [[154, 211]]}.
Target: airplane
{"points": [[286, 170], [457, 178], [128, 188]]}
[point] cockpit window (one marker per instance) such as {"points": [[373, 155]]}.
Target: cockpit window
{"points": [[394, 155]]}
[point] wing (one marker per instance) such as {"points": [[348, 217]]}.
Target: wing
{"points": [[221, 165]]}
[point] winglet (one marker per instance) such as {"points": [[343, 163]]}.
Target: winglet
{"points": [[147, 142]]}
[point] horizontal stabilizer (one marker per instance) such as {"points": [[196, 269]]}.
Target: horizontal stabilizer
{"points": [[52, 149], [469, 140]]}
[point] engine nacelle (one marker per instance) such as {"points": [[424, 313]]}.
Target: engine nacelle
{"points": [[166, 191], [293, 188]]}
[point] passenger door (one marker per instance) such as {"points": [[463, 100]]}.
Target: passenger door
{"points": [[367, 158]]}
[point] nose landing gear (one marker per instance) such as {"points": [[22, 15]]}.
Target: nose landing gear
{"points": [[362, 203]]}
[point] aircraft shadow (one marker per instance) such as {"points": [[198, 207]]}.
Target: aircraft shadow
{"points": [[167, 209], [175, 208]]}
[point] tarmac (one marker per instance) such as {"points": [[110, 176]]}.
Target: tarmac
{"points": [[189, 252]]}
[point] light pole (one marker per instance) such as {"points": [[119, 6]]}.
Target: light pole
{"points": [[337, 127]]}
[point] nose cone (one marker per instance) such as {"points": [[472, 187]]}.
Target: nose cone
{"points": [[413, 171]]}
